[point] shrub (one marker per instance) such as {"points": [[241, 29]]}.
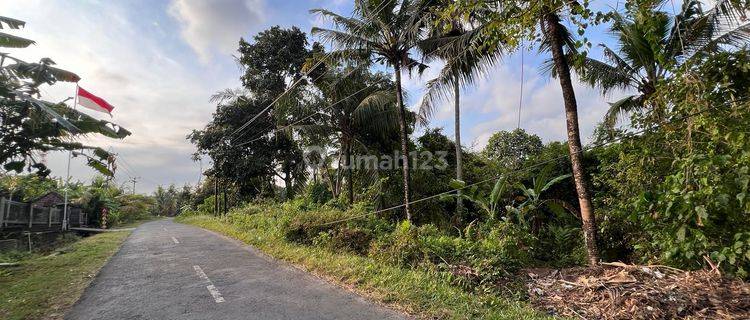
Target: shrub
{"points": [[561, 246], [401, 247], [305, 226], [484, 259], [317, 193], [355, 240]]}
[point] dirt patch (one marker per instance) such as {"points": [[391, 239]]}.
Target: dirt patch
{"points": [[620, 291]]}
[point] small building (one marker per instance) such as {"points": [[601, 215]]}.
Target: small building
{"points": [[43, 212]]}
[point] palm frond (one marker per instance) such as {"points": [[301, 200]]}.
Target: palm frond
{"points": [[462, 68], [377, 112], [606, 77], [11, 41], [342, 39], [620, 108], [11, 23], [731, 11], [229, 94], [339, 20]]}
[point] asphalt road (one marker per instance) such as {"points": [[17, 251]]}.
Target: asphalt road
{"points": [[166, 270]]}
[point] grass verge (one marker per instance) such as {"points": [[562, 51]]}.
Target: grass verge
{"points": [[422, 293], [44, 287]]}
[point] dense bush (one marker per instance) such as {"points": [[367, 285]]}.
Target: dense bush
{"points": [[679, 194], [306, 226], [131, 208], [317, 193]]}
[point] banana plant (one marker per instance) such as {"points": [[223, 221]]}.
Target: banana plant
{"points": [[529, 205], [9, 40], [490, 203]]}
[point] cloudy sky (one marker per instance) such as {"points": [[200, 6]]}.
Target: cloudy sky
{"points": [[159, 61]]}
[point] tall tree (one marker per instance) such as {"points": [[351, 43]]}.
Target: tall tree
{"points": [[511, 148], [464, 53], [506, 23], [251, 156], [360, 103], [556, 36], [385, 31]]}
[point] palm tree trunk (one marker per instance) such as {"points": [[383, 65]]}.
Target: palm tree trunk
{"points": [[349, 169], [404, 140], [459, 169], [554, 32]]}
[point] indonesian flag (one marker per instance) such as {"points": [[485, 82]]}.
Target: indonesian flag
{"points": [[88, 100]]}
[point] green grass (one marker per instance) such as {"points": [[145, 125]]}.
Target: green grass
{"points": [[44, 287], [423, 293]]}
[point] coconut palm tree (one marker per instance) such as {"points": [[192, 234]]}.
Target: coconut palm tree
{"points": [[651, 43], [360, 103], [385, 31], [465, 56], [555, 37], [508, 21]]}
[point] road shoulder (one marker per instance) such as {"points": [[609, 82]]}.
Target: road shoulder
{"points": [[47, 286]]}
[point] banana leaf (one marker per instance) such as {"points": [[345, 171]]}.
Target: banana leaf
{"points": [[11, 41], [11, 23]]}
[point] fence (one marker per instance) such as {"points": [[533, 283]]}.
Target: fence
{"points": [[27, 216]]}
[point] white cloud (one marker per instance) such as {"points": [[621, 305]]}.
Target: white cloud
{"points": [[216, 25], [492, 105]]}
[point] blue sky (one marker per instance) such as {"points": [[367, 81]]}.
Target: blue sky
{"points": [[158, 62]]}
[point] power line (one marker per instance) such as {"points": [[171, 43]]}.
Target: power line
{"points": [[305, 74], [516, 171], [340, 100], [336, 102]]}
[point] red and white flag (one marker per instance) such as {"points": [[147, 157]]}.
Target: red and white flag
{"points": [[88, 100]]}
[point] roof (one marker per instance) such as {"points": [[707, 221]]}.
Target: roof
{"points": [[47, 195]]}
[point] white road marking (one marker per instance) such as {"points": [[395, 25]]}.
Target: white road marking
{"points": [[165, 229], [175, 240], [215, 293], [211, 288], [200, 273]]}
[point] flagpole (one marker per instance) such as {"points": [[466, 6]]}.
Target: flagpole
{"points": [[67, 174]]}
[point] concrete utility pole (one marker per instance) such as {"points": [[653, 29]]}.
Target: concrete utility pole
{"points": [[134, 180], [216, 196]]}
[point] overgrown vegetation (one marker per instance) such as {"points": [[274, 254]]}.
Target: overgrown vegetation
{"points": [[430, 290], [122, 206], [45, 286], [669, 186]]}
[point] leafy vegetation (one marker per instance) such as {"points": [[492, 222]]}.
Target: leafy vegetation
{"points": [[317, 160], [123, 207], [430, 292], [29, 125], [667, 187]]}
